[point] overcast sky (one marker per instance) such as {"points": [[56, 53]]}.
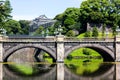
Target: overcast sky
{"points": [[30, 9]]}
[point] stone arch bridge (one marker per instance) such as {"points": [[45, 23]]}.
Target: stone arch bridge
{"points": [[59, 47]]}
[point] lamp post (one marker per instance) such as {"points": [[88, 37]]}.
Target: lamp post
{"points": [[47, 32], [56, 32], [60, 30], [43, 33], [107, 33]]}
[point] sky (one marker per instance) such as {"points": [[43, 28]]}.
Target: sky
{"points": [[30, 9]]}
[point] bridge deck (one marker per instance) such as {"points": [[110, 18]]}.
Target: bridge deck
{"points": [[52, 39]]}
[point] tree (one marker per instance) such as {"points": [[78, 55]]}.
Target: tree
{"points": [[24, 26], [87, 34], [70, 33], [114, 29], [39, 30], [51, 30], [103, 30], [5, 10], [72, 13], [100, 11], [12, 27], [69, 12], [95, 32], [68, 22], [68, 19]]}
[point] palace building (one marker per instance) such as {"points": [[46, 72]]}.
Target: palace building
{"points": [[42, 20]]}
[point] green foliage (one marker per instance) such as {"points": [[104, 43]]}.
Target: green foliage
{"points": [[47, 58], [119, 20], [12, 27], [103, 30], [92, 11], [24, 26], [83, 52], [104, 11], [69, 21], [59, 17], [87, 34], [57, 23], [24, 69], [5, 10], [95, 32], [51, 30], [114, 29], [86, 51], [70, 33], [72, 13], [69, 57], [110, 35], [39, 30]]}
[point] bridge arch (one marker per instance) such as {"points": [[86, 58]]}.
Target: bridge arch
{"points": [[106, 53], [10, 51]]}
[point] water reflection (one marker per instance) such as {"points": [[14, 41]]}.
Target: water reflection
{"points": [[61, 71], [90, 70], [31, 72]]}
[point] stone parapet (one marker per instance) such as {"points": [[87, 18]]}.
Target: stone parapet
{"points": [[3, 38], [117, 38], [60, 38], [60, 48]]}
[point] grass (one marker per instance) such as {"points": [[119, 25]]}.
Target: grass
{"points": [[110, 35], [49, 59], [80, 66], [79, 52]]}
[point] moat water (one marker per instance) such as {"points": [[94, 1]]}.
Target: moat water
{"points": [[73, 71]]}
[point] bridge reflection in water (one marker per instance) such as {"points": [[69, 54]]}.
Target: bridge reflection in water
{"points": [[61, 71]]}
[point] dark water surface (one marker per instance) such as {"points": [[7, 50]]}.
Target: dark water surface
{"points": [[61, 71]]}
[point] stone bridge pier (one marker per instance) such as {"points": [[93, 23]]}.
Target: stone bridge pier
{"points": [[60, 48], [1, 59], [1, 48], [1, 52], [117, 48]]}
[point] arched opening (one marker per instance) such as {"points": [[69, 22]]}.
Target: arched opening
{"points": [[89, 51], [33, 50], [29, 60], [29, 54], [107, 57]]}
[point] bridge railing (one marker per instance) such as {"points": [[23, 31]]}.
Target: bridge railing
{"points": [[40, 39], [54, 39], [72, 39]]}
